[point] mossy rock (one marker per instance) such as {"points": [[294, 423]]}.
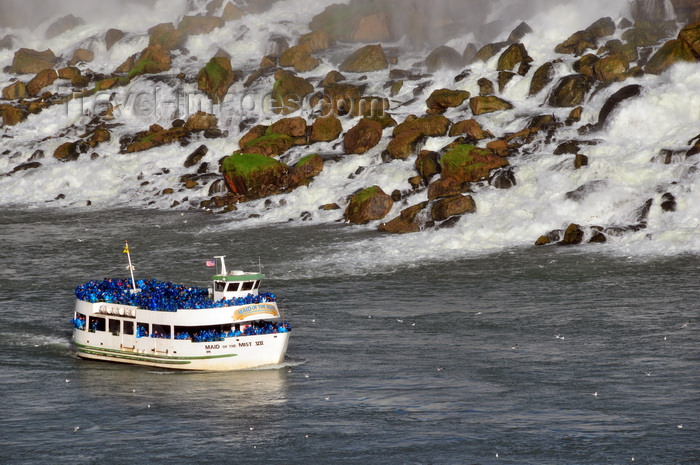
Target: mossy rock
{"points": [[152, 60], [289, 92], [325, 129], [404, 145], [167, 36], [454, 205], [12, 115], [193, 25], [28, 61], [570, 91], [670, 53], [613, 67], [215, 78], [366, 59], [430, 126], [299, 58], [340, 20], [442, 99], [368, 205], [514, 54], [269, 145], [253, 175], [488, 104], [408, 221], [467, 163]]}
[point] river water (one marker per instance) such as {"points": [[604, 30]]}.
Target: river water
{"points": [[522, 356]]}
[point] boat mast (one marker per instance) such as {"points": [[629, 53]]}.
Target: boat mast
{"points": [[223, 264], [130, 267]]}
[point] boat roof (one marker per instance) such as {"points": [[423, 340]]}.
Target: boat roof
{"points": [[238, 276]]}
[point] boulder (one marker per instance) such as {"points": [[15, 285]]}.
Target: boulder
{"points": [[515, 54], [333, 77], [64, 24], [372, 28], [14, 91], [99, 135], [447, 187], [152, 60], [368, 205], [467, 163], [12, 115], [520, 31], [269, 145], [363, 136], [611, 68], [443, 57], [253, 175], [196, 156], [42, 79], [216, 78], [485, 87], [442, 99], [691, 36], [306, 168], [253, 133], [585, 65], [670, 53], [613, 102], [542, 77], [572, 235], [403, 145], [294, 127], [430, 126], [167, 36], [289, 91], [325, 129], [488, 104], [231, 12], [70, 151], [570, 91], [7, 42], [471, 129], [112, 36], [587, 39], [27, 61], [366, 59], [81, 55], [451, 206], [428, 164], [194, 25], [489, 51], [299, 58], [200, 121], [408, 221]]}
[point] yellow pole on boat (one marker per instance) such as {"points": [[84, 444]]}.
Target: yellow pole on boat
{"points": [[130, 267]]}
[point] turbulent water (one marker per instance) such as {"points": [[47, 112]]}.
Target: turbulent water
{"points": [[456, 346]]}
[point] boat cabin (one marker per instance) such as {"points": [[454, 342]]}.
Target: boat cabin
{"points": [[235, 283]]}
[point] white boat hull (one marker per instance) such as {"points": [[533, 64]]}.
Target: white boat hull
{"points": [[234, 353], [230, 353]]}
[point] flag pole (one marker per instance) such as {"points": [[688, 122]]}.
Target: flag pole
{"points": [[130, 267]]}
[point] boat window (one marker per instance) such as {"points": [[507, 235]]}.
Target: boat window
{"points": [[219, 286], [114, 327], [79, 321], [247, 285], [233, 287], [129, 328], [256, 284], [96, 324], [142, 330], [161, 331]]}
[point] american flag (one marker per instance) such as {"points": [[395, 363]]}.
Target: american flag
{"points": [[211, 263]]}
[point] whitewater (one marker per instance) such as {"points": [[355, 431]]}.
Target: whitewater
{"points": [[624, 165]]}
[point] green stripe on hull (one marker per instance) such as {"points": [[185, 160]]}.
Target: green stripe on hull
{"points": [[126, 355]]}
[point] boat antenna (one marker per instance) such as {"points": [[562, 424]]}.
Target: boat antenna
{"points": [[130, 267], [259, 266]]}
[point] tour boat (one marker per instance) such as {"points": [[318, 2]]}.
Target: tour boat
{"points": [[231, 326]]}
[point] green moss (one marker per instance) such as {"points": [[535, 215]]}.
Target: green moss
{"points": [[305, 160], [245, 164], [268, 139], [458, 157], [141, 67]]}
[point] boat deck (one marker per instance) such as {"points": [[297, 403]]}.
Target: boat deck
{"points": [[159, 295]]}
